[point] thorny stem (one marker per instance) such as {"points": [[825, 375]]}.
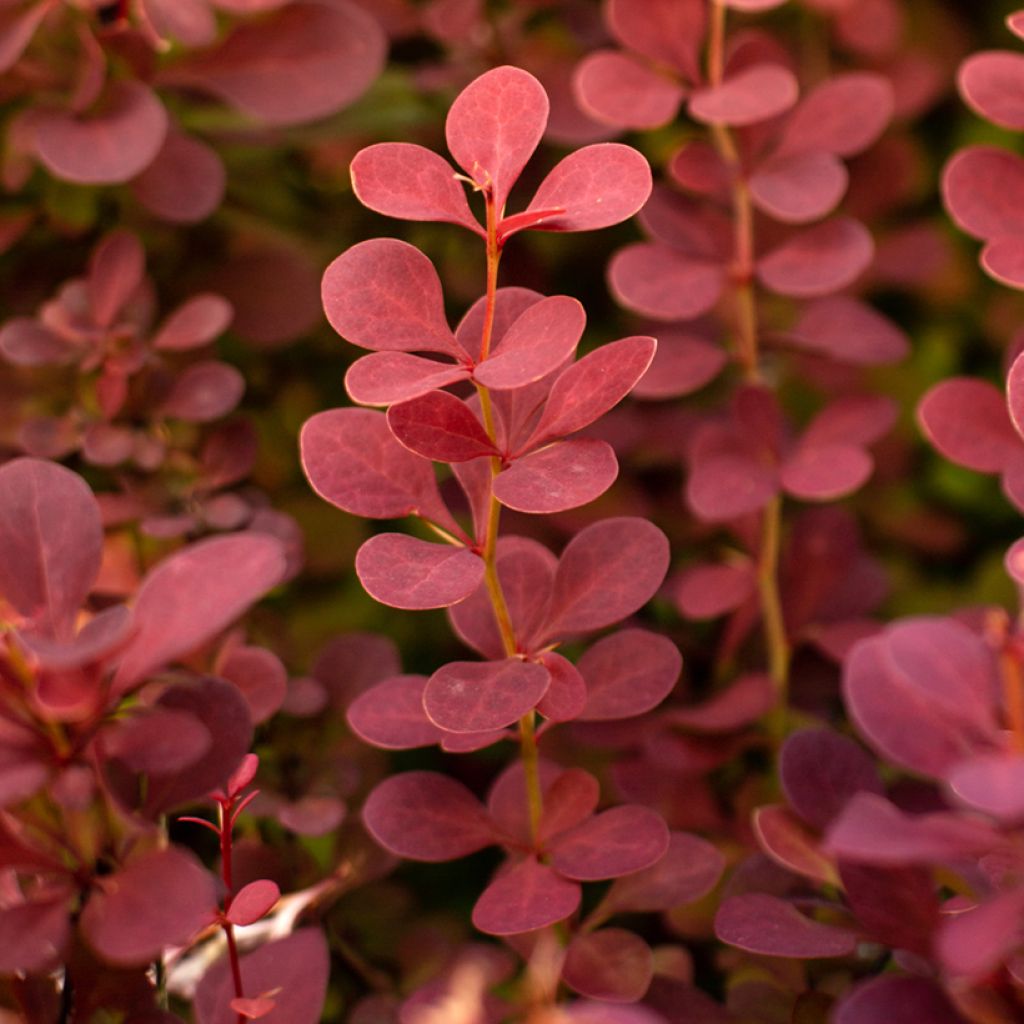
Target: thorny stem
{"points": [[225, 821], [771, 613], [527, 731]]}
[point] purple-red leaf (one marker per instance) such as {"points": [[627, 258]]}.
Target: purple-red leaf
{"points": [[668, 32], [740, 704], [799, 187], [405, 572], [966, 420], [992, 784], [818, 261], [260, 676], [616, 842], [764, 924], [385, 295], [494, 126], [992, 83], [253, 901], [403, 180], [607, 571], [850, 331], [51, 542], [896, 1000], [611, 964], [427, 816], [984, 191], [185, 181], [204, 392], [195, 323], [382, 378], [628, 673], [657, 281], [558, 477], [161, 740], [567, 693], [440, 427], [683, 363], [621, 90], [160, 899], [471, 696], [754, 94], [524, 898], [33, 935], [191, 596], [391, 715], [824, 472]]}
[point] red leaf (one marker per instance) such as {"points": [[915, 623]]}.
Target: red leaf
{"points": [[391, 715], [103, 634], [160, 740], [191, 596], [509, 305], [607, 571], [751, 95], [405, 572], [185, 181], [427, 816], [799, 187], [304, 62], [33, 935], [441, 427], [1015, 394], [524, 898], [382, 378], [764, 924], [107, 146], [967, 421], [471, 696], [353, 461], [253, 901], [973, 943], [253, 1009], [843, 115], [849, 330], [26, 342], [17, 27], [818, 261], [992, 784], [824, 472], [196, 322], [587, 389], [617, 842], [657, 281], [51, 542], [992, 84], [494, 126], [740, 704], [667, 31], [259, 675], [558, 477], [385, 295], [403, 180], [896, 1000], [159, 899], [312, 815], [611, 964], [204, 392], [984, 191], [297, 965], [620, 90], [597, 186], [683, 363], [1003, 259], [570, 800], [540, 339], [729, 477], [707, 591], [792, 845], [628, 673], [567, 693], [116, 270]]}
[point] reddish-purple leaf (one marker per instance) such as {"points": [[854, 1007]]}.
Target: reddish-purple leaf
{"points": [[967, 421], [844, 115], [312, 815], [984, 191], [509, 305], [853, 419], [992, 83], [195, 323], [628, 673], [403, 180], [667, 31], [161, 740], [204, 392], [253, 1009], [895, 906], [972, 943], [103, 634], [260, 676], [296, 969], [253, 901], [558, 477], [707, 591], [792, 845], [405, 572], [896, 1000], [540, 339], [740, 704], [116, 269], [1015, 394], [992, 784], [427, 816], [391, 715], [191, 596], [185, 181], [304, 62], [1015, 23], [109, 145], [26, 342], [754, 94], [799, 187], [160, 899], [728, 476], [597, 186], [51, 542], [480, 696], [824, 472], [587, 389], [353, 461], [494, 126], [616, 842], [657, 281], [524, 898], [570, 800], [618, 89], [818, 261], [683, 363], [1003, 259], [611, 964], [689, 870], [382, 378], [440, 427], [820, 771], [567, 694], [607, 571], [764, 924], [849, 330], [33, 935], [17, 27], [385, 295]]}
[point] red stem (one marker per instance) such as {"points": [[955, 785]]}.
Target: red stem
{"points": [[225, 820]]}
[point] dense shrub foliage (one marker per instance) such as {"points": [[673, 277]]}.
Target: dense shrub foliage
{"points": [[497, 517]]}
